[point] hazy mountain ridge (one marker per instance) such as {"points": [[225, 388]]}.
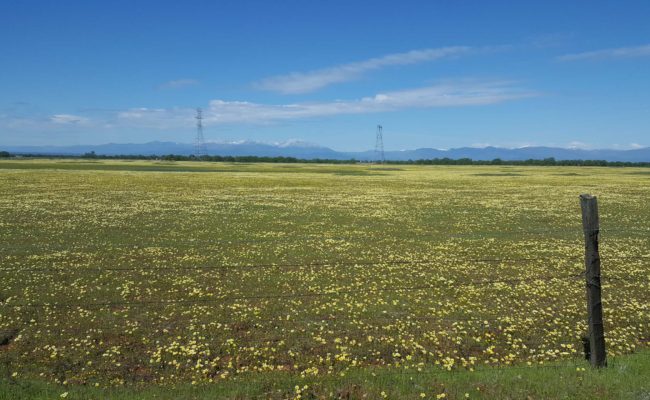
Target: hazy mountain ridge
{"points": [[304, 150]]}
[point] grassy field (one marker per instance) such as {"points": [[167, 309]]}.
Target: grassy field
{"points": [[625, 378], [166, 277]]}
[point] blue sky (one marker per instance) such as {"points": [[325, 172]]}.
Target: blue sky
{"points": [[434, 73]]}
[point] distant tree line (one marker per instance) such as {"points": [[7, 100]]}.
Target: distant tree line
{"points": [[543, 162], [257, 159]]}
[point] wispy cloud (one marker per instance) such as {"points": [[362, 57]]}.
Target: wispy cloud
{"points": [[457, 94], [576, 144], [178, 84], [548, 40], [304, 82], [629, 146], [450, 94], [619, 52], [67, 119]]}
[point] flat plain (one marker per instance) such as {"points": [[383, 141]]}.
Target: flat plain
{"points": [[158, 274]]}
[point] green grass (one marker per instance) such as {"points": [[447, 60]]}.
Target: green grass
{"points": [[625, 378], [249, 278], [184, 166]]}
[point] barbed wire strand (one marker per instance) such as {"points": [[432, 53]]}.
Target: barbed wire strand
{"points": [[335, 263], [296, 295]]}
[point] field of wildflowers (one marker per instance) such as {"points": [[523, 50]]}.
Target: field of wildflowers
{"points": [[141, 273]]}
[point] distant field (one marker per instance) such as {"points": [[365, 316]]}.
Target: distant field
{"points": [[150, 273]]}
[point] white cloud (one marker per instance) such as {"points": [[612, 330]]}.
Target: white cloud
{"points": [[234, 112], [303, 82], [157, 118], [179, 84], [578, 145], [629, 146], [620, 52], [450, 94], [67, 119]]}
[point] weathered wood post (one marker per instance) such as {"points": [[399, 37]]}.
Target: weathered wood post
{"points": [[596, 333]]}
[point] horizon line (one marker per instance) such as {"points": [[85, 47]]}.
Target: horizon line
{"points": [[305, 144]]}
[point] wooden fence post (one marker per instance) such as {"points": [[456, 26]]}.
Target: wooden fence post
{"points": [[596, 333]]}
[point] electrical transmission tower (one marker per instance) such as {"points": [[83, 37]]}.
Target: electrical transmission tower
{"points": [[379, 145], [199, 144]]}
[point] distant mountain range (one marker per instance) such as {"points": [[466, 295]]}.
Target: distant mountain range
{"points": [[309, 151]]}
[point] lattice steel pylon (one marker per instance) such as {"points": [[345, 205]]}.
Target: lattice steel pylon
{"points": [[379, 145], [199, 143]]}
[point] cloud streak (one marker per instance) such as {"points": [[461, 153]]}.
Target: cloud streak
{"points": [[179, 84], [224, 112], [68, 119], [304, 82], [237, 112], [620, 52]]}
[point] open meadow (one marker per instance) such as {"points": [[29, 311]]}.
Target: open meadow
{"points": [[340, 279]]}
